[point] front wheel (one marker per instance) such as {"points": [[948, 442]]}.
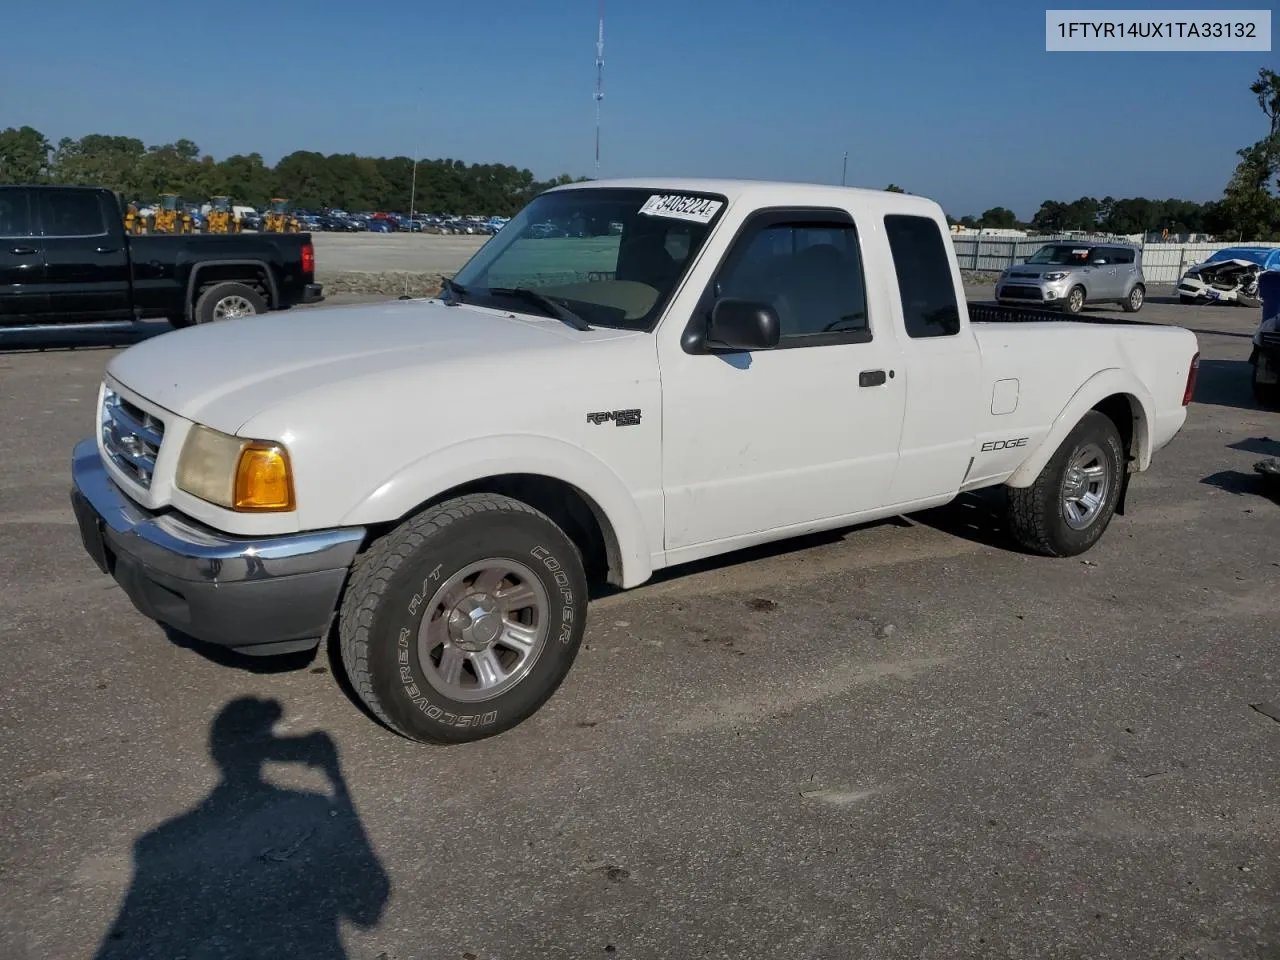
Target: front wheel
{"points": [[463, 621], [1074, 498], [1074, 302], [1137, 296]]}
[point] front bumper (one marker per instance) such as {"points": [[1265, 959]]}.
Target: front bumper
{"points": [[262, 595], [312, 293], [1014, 290]]}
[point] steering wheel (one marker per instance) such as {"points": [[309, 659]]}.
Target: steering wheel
{"points": [[856, 318]]}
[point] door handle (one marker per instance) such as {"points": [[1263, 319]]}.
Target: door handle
{"points": [[871, 378], [22, 251]]}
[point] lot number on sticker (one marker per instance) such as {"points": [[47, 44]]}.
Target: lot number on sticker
{"points": [[697, 209]]}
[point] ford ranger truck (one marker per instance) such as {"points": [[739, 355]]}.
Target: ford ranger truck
{"points": [[679, 369]]}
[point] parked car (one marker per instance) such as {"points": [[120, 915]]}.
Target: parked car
{"points": [[66, 259], [1070, 275], [1229, 276], [1264, 358], [288, 484]]}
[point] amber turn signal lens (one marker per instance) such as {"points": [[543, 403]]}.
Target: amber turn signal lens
{"points": [[264, 480]]}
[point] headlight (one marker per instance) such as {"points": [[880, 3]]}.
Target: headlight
{"points": [[244, 475], [1051, 277]]}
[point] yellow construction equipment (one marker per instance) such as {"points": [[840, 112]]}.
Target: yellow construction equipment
{"points": [[133, 224], [170, 217], [221, 217], [278, 218]]}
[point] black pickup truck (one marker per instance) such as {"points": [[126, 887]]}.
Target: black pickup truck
{"points": [[66, 260]]}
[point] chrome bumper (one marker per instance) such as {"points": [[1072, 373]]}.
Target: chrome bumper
{"points": [[258, 595]]}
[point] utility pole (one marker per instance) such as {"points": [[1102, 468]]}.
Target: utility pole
{"points": [[844, 167], [599, 81]]}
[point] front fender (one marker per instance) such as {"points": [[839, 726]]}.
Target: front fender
{"points": [[1097, 388], [484, 457]]}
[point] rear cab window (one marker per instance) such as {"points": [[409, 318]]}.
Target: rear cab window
{"points": [[925, 284], [72, 213], [15, 213]]}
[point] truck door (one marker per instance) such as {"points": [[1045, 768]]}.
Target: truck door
{"points": [[808, 431], [23, 299], [943, 364], [86, 257]]}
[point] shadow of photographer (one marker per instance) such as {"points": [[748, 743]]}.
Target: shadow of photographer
{"points": [[255, 869]]}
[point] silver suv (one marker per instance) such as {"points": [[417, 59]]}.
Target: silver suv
{"points": [[1069, 275]]}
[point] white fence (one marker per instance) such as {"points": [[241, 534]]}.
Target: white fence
{"points": [[1161, 262]]}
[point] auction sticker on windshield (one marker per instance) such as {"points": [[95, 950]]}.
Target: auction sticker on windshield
{"points": [[677, 207]]}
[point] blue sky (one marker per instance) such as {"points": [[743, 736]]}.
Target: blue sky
{"points": [[958, 101]]}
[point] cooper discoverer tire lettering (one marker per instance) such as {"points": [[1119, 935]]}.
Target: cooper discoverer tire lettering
{"points": [[464, 620]]}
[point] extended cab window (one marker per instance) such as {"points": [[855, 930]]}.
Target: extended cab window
{"points": [[15, 215], [923, 264], [71, 213], [810, 272]]}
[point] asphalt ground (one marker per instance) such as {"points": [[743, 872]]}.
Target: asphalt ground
{"points": [[901, 740], [392, 252]]}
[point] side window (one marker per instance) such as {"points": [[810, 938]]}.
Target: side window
{"points": [[71, 213], [1123, 255], [810, 273], [923, 265], [15, 213]]}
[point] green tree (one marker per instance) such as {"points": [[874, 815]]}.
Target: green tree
{"points": [[1001, 217], [24, 155]]}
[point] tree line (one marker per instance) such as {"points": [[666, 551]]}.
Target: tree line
{"points": [[1249, 206], [306, 178]]}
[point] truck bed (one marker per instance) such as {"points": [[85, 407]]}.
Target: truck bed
{"points": [[998, 313]]}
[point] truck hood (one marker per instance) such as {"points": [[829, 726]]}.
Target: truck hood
{"points": [[222, 374]]}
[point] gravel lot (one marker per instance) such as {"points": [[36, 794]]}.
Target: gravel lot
{"points": [[904, 740]]}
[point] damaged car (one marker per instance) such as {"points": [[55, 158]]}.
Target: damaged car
{"points": [[1229, 276]]}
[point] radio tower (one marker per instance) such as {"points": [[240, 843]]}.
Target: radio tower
{"points": [[599, 82]]}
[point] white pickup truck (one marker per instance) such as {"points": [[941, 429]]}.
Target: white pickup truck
{"points": [[630, 375]]}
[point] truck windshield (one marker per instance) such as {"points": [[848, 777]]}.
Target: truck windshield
{"points": [[613, 256], [1060, 254]]}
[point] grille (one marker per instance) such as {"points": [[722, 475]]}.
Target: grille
{"points": [[1016, 292], [131, 437]]}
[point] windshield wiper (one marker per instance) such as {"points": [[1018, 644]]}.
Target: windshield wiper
{"points": [[456, 291], [553, 307]]}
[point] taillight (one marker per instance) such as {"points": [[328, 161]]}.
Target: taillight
{"points": [[308, 258], [1191, 380]]}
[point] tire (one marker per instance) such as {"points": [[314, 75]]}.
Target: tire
{"points": [[227, 301], [1073, 302], [1039, 517], [398, 667], [1185, 300], [1267, 395], [1137, 297]]}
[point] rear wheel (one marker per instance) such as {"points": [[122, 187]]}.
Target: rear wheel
{"points": [[1267, 394], [463, 621], [228, 301], [1073, 500], [1074, 301], [1137, 296]]}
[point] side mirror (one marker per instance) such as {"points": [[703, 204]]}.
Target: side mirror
{"points": [[742, 325]]}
